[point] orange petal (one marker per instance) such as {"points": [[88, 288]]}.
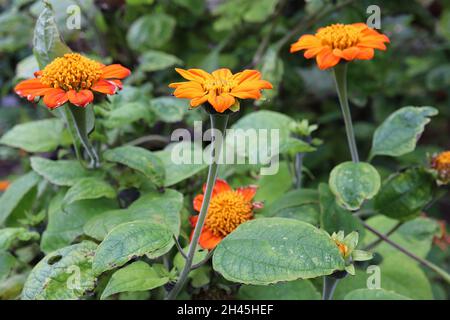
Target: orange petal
{"points": [[222, 102], [219, 187], [118, 83], [115, 71], [80, 98], [104, 86], [247, 192], [247, 75], [193, 220], [347, 54], [198, 200], [326, 59], [55, 98], [222, 73], [194, 74], [312, 52], [31, 88], [189, 90], [365, 54], [250, 94], [306, 41], [367, 43], [4, 184], [198, 101], [208, 240]]}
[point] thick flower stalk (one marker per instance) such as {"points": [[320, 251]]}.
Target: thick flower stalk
{"points": [[332, 47], [221, 91], [228, 209], [72, 78]]}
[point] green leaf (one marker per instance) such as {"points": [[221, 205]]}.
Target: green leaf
{"points": [[139, 159], [60, 172], [399, 133], [127, 113], [89, 188], [7, 263], [373, 294], [200, 276], [153, 60], [300, 204], [405, 194], [415, 235], [352, 183], [398, 273], [163, 208], [270, 250], [65, 274], [175, 171], [35, 136], [9, 235], [16, 192], [66, 223], [47, 43], [129, 240], [260, 11], [150, 31], [292, 290], [245, 139], [334, 218], [138, 276], [272, 187], [169, 109], [272, 70]]}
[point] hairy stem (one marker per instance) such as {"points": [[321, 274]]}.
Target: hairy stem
{"points": [[218, 124], [340, 79]]}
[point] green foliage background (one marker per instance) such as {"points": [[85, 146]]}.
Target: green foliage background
{"points": [[151, 37]]}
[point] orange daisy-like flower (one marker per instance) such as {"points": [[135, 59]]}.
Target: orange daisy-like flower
{"points": [[73, 78], [441, 163], [228, 209], [4, 184], [341, 41], [221, 88]]}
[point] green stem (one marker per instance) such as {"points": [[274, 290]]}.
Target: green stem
{"points": [[329, 285], [340, 79], [219, 123]]}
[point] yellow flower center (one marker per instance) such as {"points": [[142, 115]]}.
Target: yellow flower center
{"points": [[442, 161], [71, 72], [339, 36], [220, 85], [227, 210]]}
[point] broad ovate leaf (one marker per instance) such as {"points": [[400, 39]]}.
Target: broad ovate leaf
{"points": [[270, 250], [129, 240], [138, 159], [36, 136], [65, 274], [352, 183], [399, 133], [138, 276]]}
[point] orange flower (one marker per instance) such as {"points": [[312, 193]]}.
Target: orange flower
{"points": [[228, 209], [4, 184], [220, 88], [341, 41], [72, 78], [441, 163]]}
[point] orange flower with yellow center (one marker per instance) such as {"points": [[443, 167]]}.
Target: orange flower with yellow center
{"points": [[4, 184], [73, 78], [341, 41], [441, 163], [221, 88], [228, 209]]}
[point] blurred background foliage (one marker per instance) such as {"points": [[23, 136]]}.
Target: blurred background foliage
{"points": [[151, 37]]}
